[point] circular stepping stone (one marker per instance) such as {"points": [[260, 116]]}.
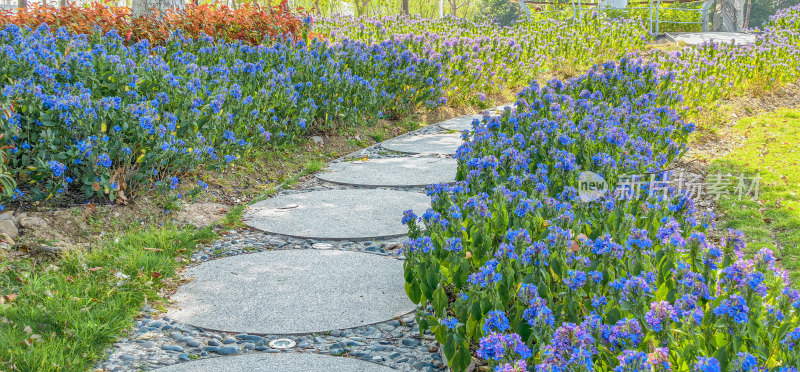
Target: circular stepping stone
{"points": [[442, 144], [388, 172], [284, 362], [699, 38], [336, 214], [291, 292], [461, 123]]}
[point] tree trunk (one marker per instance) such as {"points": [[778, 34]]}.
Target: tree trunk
{"points": [[454, 7], [143, 7], [361, 7], [405, 7], [22, 3]]}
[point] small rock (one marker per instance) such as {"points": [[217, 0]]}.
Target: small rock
{"points": [[32, 223], [50, 250], [193, 343], [318, 140], [213, 342], [251, 338], [172, 348], [8, 215], [229, 340], [353, 343], [227, 350], [377, 359], [411, 342], [19, 217], [8, 228]]}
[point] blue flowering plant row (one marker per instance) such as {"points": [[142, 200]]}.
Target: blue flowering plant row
{"points": [[90, 114], [483, 58], [512, 267]]}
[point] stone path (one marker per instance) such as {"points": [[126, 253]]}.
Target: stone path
{"points": [[371, 214], [319, 266], [460, 123], [698, 38], [297, 291], [286, 362], [392, 172], [438, 144]]}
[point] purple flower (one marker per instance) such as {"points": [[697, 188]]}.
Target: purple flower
{"points": [[495, 346], [660, 316], [632, 361], [626, 333], [572, 346]]}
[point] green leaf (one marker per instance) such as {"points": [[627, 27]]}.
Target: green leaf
{"points": [[439, 301], [722, 357], [412, 290], [449, 349]]}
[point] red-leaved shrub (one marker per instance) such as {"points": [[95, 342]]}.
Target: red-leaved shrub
{"points": [[248, 23]]}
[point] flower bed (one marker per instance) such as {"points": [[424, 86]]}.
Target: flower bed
{"points": [[481, 59], [514, 268], [91, 113]]}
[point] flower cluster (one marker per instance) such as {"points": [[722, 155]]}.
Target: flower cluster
{"points": [[623, 282]]}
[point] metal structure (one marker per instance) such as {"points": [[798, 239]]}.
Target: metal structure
{"points": [[654, 6]]}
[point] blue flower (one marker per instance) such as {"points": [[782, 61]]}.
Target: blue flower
{"points": [[57, 168], [104, 160], [496, 321], [709, 364]]}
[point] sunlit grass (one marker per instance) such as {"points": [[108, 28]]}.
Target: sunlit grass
{"points": [[770, 148]]}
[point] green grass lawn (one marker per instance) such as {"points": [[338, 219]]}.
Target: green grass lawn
{"points": [[770, 147], [60, 315]]}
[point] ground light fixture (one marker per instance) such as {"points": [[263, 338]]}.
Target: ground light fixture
{"points": [[282, 343]]}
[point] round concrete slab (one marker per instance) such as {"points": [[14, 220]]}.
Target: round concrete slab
{"points": [[354, 214], [406, 171], [292, 291], [284, 362], [460, 123], [698, 38], [442, 144]]}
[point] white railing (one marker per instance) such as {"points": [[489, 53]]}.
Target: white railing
{"points": [[578, 7]]}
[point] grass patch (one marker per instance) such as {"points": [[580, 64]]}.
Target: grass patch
{"points": [[770, 147], [61, 315]]}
